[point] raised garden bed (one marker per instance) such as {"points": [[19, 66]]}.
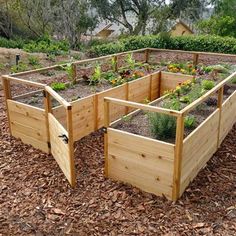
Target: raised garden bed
{"points": [[165, 164], [55, 129]]}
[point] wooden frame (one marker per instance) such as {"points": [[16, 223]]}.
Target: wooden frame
{"points": [[142, 161], [86, 115]]}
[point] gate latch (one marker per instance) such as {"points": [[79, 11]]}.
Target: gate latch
{"points": [[64, 138]]}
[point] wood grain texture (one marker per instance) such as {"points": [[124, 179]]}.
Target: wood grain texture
{"points": [[198, 148], [142, 162], [29, 124], [59, 149], [171, 80], [228, 116]]}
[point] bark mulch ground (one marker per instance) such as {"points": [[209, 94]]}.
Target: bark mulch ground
{"points": [[35, 198]]}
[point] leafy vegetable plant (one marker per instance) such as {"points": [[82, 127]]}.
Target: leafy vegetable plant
{"points": [[189, 122], [207, 84], [58, 86]]}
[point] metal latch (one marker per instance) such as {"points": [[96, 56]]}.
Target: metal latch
{"points": [[64, 138]]}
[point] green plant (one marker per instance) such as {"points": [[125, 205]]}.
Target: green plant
{"points": [[130, 61], [96, 76], [19, 68], [70, 71], [33, 60], [189, 122], [207, 84], [58, 86], [1, 66], [162, 126], [233, 80], [113, 63]]}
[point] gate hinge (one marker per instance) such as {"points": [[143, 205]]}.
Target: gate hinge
{"points": [[49, 144]]}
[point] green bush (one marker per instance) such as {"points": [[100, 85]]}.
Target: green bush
{"points": [[233, 80], [208, 84], [47, 45], [162, 126], [58, 86], [205, 43], [189, 122], [10, 43]]}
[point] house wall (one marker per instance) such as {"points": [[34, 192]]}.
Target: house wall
{"points": [[179, 30]]}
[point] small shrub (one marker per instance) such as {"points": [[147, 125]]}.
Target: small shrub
{"points": [[19, 68], [162, 126], [1, 66], [33, 60], [58, 86], [189, 122], [207, 84], [96, 76]]}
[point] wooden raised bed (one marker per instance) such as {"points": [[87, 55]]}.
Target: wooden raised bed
{"points": [[55, 129], [160, 167]]}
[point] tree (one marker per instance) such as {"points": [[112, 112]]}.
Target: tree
{"points": [[132, 14], [5, 18], [72, 18]]}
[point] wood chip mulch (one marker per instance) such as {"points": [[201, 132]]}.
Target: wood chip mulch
{"points": [[35, 198]]}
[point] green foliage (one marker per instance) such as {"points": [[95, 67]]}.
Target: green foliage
{"points": [[47, 45], [69, 70], [58, 86], [130, 61], [11, 43], [1, 66], [218, 25], [189, 122], [96, 76], [233, 80], [162, 126], [33, 60], [19, 68], [208, 84], [205, 43]]}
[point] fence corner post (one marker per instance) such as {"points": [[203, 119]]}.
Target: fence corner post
{"points": [[178, 157]]}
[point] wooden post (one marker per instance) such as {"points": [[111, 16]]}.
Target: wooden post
{"points": [[219, 105], [115, 58], [178, 157], [7, 93], [127, 97], [195, 59], [106, 124], [159, 84], [48, 109], [95, 104], [71, 145], [147, 53], [150, 89], [74, 75]]}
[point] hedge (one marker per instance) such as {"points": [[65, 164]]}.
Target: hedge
{"points": [[204, 43]]}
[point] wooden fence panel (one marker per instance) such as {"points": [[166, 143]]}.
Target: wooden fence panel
{"points": [[228, 117], [142, 162], [171, 80], [198, 148], [29, 124]]}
